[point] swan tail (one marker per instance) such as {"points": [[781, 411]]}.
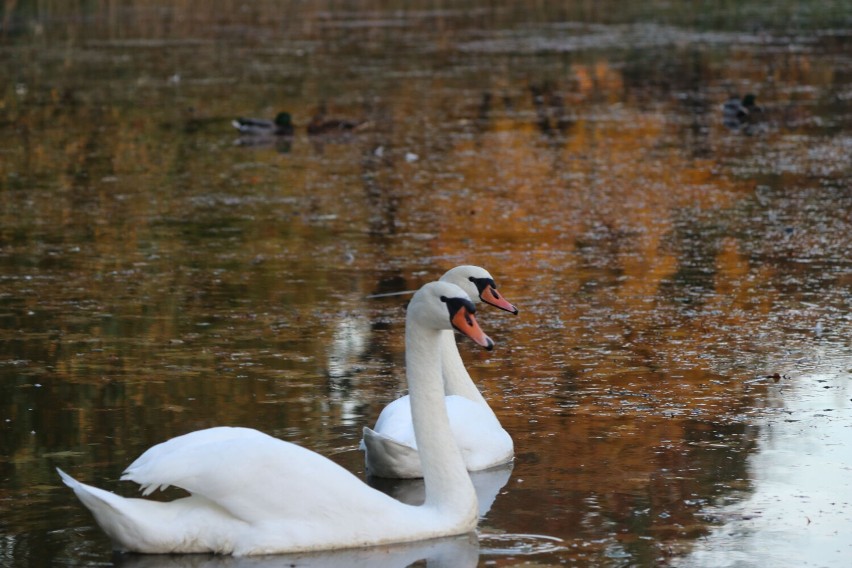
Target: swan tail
{"points": [[385, 457], [139, 525], [92, 497], [111, 511]]}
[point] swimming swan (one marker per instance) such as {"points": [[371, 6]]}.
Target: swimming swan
{"points": [[254, 494], [390, 447]]}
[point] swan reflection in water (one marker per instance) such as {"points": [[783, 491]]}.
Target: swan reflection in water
{"points": [[451, 552], [349, 344], [487, 484]]}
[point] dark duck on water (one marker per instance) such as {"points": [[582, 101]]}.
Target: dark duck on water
{"points": [[741, 114], [281, 126]]}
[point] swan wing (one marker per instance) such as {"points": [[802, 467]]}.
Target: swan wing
{"points": [[255, 477], [179, 461]]}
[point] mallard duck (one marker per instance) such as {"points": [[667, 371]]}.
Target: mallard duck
{"points": [[736, 113], [281, 126], [321, 125]]}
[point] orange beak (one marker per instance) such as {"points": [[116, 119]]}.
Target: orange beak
{"points": [[465, 322], [491, 296]]}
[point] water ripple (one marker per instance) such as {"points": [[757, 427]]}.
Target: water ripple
{"points": [[518, 544]]}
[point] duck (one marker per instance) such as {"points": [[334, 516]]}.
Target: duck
{"points": [[320, 125], [251, 493], [737, 113], [390, 447], [281, 126]]}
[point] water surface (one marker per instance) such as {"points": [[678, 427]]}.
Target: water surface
{"points": [[678, 380]]}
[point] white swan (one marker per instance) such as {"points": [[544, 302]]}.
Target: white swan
{"points": [[254, 494], [390, 447]]}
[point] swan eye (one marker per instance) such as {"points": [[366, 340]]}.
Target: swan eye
{"points": [[482, 284], [455, 304]]}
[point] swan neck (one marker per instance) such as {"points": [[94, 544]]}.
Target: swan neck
{"points": [[448, 485], [457, 380]]}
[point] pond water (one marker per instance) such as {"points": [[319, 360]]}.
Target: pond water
{"points": [[679, 380]]}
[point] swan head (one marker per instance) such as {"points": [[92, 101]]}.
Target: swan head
{"points": [[479, 284], [446, 306]]}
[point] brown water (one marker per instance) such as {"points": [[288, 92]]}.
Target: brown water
{"points": [[678, 382]]}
